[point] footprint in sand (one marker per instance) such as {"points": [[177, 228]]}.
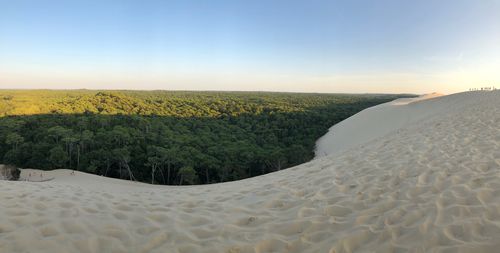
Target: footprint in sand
{"points": [[120, 216], [121, 207], [17, 212], [146, 231], [66, 204], [48, 231], [72, 227]]}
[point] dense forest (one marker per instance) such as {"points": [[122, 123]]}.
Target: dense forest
{"points": [[168, 137]]}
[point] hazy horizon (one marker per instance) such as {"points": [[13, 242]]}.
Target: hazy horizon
{"points": [[195, 90], [282, 46]]}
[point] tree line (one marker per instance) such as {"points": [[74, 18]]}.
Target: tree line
{"points": [[169, 137]]}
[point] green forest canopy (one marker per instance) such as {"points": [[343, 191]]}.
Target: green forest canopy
{"points": [[169, 137]]}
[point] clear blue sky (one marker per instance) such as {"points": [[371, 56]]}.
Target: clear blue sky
{"points": [[313, 46]]}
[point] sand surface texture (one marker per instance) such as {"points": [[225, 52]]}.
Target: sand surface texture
{"points": [[429, 186], [378, 121]]}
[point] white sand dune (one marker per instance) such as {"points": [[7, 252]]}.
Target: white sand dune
{"points": [[432, 185], [376, 122]]}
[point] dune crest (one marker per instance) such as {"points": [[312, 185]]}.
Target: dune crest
{"points": [[430, 184]]}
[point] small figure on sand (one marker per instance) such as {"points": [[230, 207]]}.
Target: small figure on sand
{"points": [[72, 172]]}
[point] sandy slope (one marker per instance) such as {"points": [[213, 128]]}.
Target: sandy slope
{"points": [[376, 122], [430, 186]]}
